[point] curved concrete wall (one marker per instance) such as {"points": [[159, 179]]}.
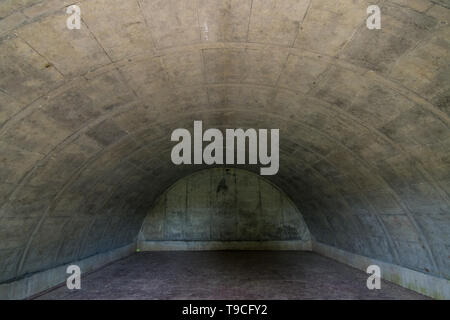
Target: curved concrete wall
{"points": [[86, 117], [224, 205]]}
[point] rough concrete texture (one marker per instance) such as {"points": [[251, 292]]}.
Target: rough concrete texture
{"points": [[435, 287], [229, 275], [86, 116], [223, 205], [40, 281]]}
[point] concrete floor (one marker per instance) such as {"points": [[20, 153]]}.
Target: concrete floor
{"points": [[228, 275]]}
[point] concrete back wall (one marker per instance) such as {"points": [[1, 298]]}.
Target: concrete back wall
{"points": [[224, 204]]}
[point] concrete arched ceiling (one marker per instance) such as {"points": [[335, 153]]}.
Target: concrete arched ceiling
{"points": [[86, 117]]}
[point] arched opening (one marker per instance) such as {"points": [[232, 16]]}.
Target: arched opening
{"points": [[224, 208]]}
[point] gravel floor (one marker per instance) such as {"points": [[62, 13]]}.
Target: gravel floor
{"points": [[228, 275]]}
